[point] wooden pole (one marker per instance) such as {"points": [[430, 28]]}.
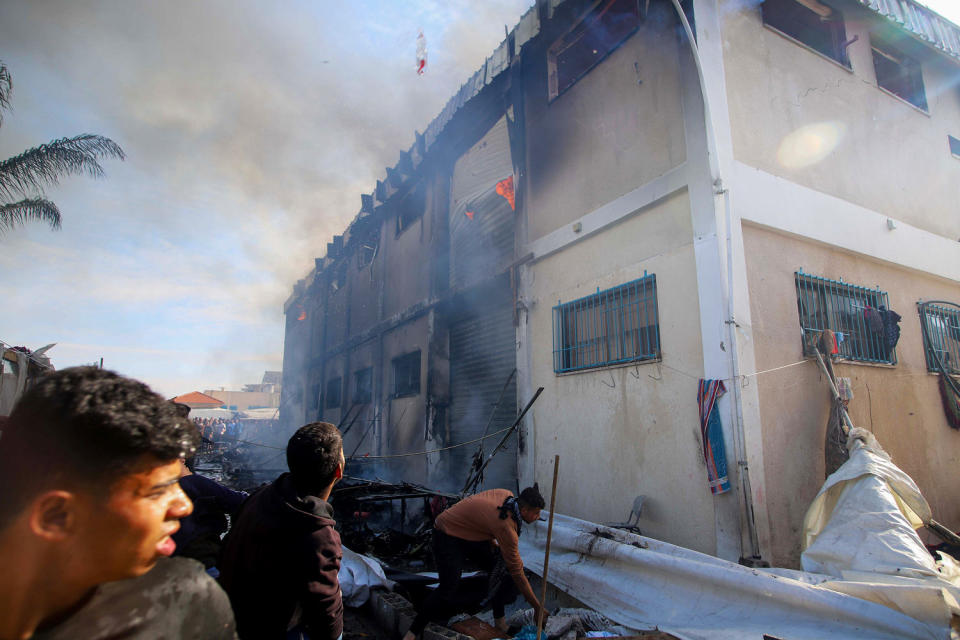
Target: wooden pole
{"points": [[546, 553]]}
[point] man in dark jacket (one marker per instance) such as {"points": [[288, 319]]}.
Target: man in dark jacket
{"points": [[280, 561]]}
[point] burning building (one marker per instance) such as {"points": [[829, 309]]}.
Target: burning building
{"points": [[629, 198]]}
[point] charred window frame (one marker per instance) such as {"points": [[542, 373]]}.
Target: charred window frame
{"points": [[411, 207], [363, 386], [613, 327], [812, 24], [898, 73], [406, 375], [603, 28], [940, 328], [333, 396], [847, 310], [367, 251]]}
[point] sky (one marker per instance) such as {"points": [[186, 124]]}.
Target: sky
{"points": [[250, 129]]}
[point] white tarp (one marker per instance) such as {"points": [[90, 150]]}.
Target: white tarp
{"points": [[861, 528], [359, 574], [643, 583]]}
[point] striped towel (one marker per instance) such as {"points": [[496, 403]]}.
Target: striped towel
{"points": [[711, 433]]}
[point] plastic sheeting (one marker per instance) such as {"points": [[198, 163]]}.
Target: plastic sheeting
{"points": [[861, 528], [359, 574], [643, 583]]}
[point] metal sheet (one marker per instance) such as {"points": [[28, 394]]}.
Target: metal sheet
{"points": [[921, 22]]}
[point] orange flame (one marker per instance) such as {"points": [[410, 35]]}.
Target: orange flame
{"points": [[505, 189]]}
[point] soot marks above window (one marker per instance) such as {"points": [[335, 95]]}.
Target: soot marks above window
{"points": [[812, 23], [589, 41]]}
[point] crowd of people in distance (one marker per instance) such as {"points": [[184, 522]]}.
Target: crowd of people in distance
{"points": [[219, 429], [102, 522]]}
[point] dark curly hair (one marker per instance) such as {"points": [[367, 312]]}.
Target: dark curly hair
{"points": [[531, 497], [313, 454], [84, 427]]}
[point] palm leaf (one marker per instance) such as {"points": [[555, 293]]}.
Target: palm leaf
{"points": [[6, 87], [44, 165], [33, 209]]}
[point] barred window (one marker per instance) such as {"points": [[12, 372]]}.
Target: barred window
{"points": [[940, 325], [611, 327], [857, 316]]}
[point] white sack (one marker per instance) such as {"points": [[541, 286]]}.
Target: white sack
{"points": [[358, 574]]}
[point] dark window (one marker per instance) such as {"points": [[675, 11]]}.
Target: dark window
{"points": [[940, 326], [333, 393], [899, 74], [406, 375], [366, 253], [954, 145], [611, 327], [589, 41], [411, 208], [363, 386], [855, 314], [809, 22], [339, 279]]}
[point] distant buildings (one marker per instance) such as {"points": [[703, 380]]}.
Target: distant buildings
{"points": [[609, 213], [253, 396]]}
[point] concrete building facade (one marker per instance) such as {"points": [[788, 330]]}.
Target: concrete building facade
{"points": [[631, 197]]}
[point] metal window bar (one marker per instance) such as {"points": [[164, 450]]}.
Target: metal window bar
{"points": [[845, 309], [611, 327], [943, 328]]}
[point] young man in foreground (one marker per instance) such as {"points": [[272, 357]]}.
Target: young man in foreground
{"points": [[281, 558], [89, 464], [467, 531]]}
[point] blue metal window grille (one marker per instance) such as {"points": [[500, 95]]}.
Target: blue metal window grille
{"points": [[611, 327], [942, 325], [849, 311]]}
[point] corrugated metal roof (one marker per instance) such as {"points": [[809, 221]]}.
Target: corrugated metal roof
{"points": [[923, 23]]}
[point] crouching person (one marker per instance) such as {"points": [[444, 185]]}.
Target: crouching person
{"points": [[89, 464], [281, 558], [467, 532]]}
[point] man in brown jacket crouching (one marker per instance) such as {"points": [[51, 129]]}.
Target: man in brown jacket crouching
{"points": [[467, 530], [280, 561]]}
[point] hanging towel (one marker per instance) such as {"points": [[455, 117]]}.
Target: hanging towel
{"points": [[711, 434]]}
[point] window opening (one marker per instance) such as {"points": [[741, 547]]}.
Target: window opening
{"points": [[954, 145], [363, 385], [898, 73], [406, 374], [598, 33], [858, 316], [811, 23], [610, 327], [411, 208], [940, 324], [333, 393], [367, 252]]}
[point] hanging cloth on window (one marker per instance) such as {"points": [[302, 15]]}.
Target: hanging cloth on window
{"points": [[891, 330], [711, 435]]}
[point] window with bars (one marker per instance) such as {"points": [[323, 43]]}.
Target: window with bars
{"points": [[941, 336], [616, 326], [856, 315]]}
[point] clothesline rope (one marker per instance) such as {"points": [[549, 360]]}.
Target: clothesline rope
{"points": [[423, 453]]}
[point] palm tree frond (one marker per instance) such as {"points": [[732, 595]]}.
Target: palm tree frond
{"points": [[44, 165], [33, 209], [6, 88]]}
